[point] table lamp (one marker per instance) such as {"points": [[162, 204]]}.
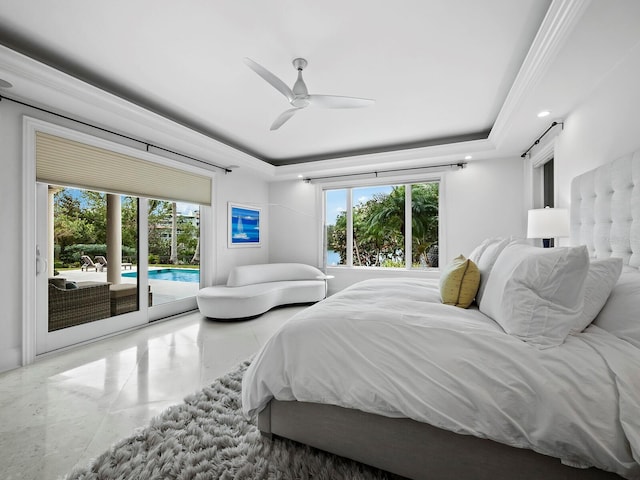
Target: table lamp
{"points": [[547, 224]]}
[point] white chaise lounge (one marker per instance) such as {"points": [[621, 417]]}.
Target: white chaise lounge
{"points": [[254, 289]]}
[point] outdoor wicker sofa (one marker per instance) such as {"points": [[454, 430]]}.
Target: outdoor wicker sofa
{"points": [[74, 306]]}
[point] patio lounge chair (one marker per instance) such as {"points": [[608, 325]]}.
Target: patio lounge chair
{"points": [[101, 262], [87, 263]]}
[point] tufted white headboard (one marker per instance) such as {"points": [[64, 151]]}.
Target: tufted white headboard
{"points": [[605, 210]]}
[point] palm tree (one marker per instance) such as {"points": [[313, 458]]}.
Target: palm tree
{"points": [[424, 205], [385, 225]]}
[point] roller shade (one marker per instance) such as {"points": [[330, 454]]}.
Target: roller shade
{"points": [[60, 161]]}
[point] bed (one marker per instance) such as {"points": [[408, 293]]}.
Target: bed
{"points": [[386, 374]]}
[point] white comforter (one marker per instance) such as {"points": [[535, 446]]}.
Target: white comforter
{"points": [[390, 347]]}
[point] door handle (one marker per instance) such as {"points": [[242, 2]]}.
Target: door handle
{"points": [[41, 263]]}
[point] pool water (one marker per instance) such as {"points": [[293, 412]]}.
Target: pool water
{"points": [[172, 274]]}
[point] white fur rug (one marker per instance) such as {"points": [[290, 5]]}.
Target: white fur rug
{"points": [[207, 437]]}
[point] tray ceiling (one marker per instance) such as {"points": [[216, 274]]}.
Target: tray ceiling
{"points": [[439, 70]]}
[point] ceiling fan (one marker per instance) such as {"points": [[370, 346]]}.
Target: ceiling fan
{"points": [[299, 96]]}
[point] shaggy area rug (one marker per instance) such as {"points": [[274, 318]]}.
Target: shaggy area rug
{"points": [[207, 437]]}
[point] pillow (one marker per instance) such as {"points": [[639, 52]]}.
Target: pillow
{"points": [[58, 281], [601, 278], [69, 285], [476, 253], [459, 282], [536, 294], [619, 316], [486, 261]]}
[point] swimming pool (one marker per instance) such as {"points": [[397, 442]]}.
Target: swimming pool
{"points": [[172, 274]]}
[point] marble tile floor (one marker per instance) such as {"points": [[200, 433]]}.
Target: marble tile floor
{"points": [[69, 407]]}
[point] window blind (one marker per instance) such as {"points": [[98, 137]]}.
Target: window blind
{"points": [[60, 161]]}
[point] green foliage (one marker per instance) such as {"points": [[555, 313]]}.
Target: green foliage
{"points": [[80, 227], [129, 226], [392, 264], [130, 254], [159, 214], [424, 205], [72, 253], [379, 227]]}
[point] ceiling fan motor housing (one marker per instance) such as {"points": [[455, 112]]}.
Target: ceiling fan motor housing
{"points": [[299, 88]]}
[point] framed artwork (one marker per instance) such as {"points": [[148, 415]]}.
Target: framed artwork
{"points": [[244, 226]]}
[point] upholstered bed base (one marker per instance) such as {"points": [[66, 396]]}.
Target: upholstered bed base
{"points": [[411, 449]]}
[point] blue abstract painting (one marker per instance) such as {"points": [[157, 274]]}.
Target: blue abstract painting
{"points": [[244, 226]]}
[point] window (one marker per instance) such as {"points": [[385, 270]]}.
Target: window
{"points": [[548, 195], [548, 187], [388, 226]]}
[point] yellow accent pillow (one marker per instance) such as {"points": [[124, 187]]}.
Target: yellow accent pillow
{"points": [[459, 282]]}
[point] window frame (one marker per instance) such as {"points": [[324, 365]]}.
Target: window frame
{"points": [[408, 238]]}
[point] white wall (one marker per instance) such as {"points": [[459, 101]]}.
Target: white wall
{"points": [[246, 189], [295, 225], [483, 200], [602, 128], [10, 241]]}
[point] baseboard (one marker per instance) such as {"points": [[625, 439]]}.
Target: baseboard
{"points": [[10, 359]]}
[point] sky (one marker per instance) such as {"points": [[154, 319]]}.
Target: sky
{"points": [[336, 200]]}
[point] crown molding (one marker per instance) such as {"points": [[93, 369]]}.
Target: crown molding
{"points": [[409, 158], [46, 87], [558, 23]]}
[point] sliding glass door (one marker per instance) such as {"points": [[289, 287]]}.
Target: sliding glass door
{"points": [[104, 273], [87, 241], [116, 237], [174, 251]]}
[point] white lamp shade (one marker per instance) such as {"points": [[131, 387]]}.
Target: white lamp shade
{"points": [[548, 223]]}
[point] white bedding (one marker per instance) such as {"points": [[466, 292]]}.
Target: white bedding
{"points": [[401, 353]]}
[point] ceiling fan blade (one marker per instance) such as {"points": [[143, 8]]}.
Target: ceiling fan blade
{"points": [[334, 101], [282, 118], [270, 78]]}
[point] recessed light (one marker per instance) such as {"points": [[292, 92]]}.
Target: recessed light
{"points": [[543, 113], [5, 84], [468, 157]]}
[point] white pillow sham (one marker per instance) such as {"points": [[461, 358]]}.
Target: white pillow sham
{"points": [[601, 278], [486, 259], [476, 253], [537, 294], [620, 315]]}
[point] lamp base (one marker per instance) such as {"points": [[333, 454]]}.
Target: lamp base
{"points": [[547, 242]]}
